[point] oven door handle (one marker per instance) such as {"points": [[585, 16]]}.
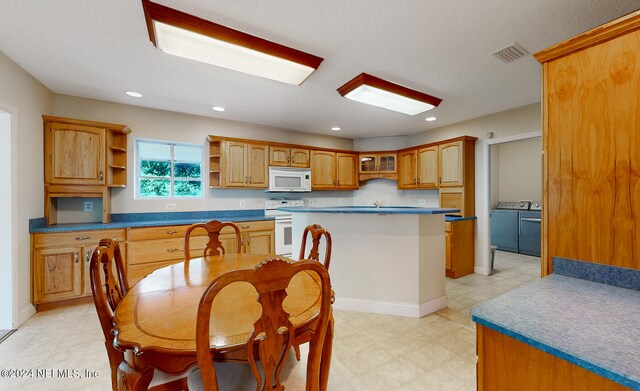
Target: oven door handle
{"points": [[532, 220]]}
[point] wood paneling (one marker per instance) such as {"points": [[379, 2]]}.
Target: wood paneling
{"points": [[509, 365], [591, 142]]}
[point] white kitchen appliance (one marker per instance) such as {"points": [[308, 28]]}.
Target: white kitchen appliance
{"points": [[284, 234], [284, 179]]}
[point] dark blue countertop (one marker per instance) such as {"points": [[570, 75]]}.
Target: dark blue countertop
{"points": [[407, 210], [584, 313], [133, 220], [458, 218]]}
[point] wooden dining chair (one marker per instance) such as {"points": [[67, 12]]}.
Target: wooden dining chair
{"points": [[108, 290], [273, 333], [214, 246], [317, 232]]}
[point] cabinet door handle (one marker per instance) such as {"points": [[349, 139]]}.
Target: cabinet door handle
{"points": [[288, 159], [101, 176], [83, 237], [249, 180], [87, 255], [76, 257], [338, 182], [171, 232], [415, 181], [248, 241], [172, 250], [418, 180]]}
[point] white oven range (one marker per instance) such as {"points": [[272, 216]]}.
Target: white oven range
{"points": [[283, 234]]}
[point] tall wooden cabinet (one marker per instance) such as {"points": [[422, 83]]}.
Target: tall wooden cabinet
{"points": [[83, 159], [591, 143]]}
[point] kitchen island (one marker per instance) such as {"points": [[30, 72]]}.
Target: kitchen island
{"points": [[388, 260], [576, 329]]}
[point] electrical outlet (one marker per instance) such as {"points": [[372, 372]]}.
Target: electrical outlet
{"points": [[310, 202], [422, 203], [170, 206], [340, 201], [242, 203], [88, 206]]}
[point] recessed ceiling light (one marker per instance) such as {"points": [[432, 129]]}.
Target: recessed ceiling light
{"points": [[181, 34], [430, 119], [218, 108], [336, 128], [134, 94], [382, 93]]}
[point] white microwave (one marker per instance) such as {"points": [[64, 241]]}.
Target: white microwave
{"points": [[284, 179]]}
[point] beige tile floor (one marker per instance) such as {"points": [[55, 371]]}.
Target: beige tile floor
{"points": [[371, 352]]}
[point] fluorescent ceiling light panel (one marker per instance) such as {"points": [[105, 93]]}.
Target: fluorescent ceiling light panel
{"points": [[378, 92], [187, 36]]}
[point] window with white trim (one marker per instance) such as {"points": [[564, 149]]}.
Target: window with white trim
{"points": [[168, 170]]}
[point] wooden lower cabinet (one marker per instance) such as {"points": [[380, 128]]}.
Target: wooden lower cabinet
{"points": [[156, 247], [505, 363], [60, 263], [459, 247]]}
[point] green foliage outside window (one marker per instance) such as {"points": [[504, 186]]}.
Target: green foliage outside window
{"points": [[155, 176]]}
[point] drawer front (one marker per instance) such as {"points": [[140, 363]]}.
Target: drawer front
{"points": [[167, 232], [77, 238], [247, 226], [148, 251]]}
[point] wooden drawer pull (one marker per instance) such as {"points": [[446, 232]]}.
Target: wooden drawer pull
{"points": [[244, 226], [83, 237], [172, 250], [171, 232]]}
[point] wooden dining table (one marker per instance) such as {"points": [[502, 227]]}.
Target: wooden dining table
{"points": [[155, 322]]}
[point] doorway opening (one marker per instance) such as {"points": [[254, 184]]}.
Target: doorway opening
{"points": [[8, 308], [514, 196]]}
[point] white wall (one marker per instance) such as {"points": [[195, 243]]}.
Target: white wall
{"points": [[519, 171], [521, 120], [27, 99], [385, 191], [6, 224], [164, 125]]}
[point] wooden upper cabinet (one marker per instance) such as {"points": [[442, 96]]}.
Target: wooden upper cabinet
{"points": [[334, 170], [74, 154], [323, 169], [373, 165], [258, 166], [347, 171], [428, 167], [451, 164], [288, 157], [235, 164], [246, 165], [407, 178]]}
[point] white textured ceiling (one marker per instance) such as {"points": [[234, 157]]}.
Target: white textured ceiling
{"points": [[100, 49]]}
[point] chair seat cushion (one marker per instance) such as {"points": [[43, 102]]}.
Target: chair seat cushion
{"points": [[237, 376]]}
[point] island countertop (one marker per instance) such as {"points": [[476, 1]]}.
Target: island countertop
{"points": [[576, 316], [383, 210]]}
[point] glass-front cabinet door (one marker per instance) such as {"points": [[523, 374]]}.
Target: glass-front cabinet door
{"points": [[387, 162], [368, 163]]}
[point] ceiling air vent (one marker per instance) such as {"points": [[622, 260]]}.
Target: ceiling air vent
{"points": [[510, 52]]}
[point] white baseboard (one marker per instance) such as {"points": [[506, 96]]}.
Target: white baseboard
{"points": [[24, 314], [390, 308]]}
